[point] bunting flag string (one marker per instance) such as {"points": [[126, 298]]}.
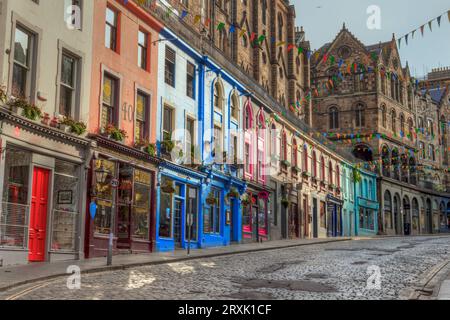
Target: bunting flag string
{"points": [[422, 28]]}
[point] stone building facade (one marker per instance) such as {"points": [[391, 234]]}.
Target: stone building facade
{"points": [[366, 102], [258, 36]]}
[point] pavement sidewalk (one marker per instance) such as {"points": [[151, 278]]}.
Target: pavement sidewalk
{"points": [[19, 275], [444, 291]]}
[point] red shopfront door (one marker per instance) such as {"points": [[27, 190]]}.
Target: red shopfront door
{"points": [[38, 215]]}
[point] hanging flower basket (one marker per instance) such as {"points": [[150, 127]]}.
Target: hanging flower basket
{"points": [[211, 200], [167, 187], [285, 203], [233, 193], [245, 200]]}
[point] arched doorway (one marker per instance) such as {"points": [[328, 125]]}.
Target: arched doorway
{"points": [[397, 217], [415, 217], [387, 210], [406, 216], [363, 152], [405, 171], [428, 217], [448, 216], [442, 217]]}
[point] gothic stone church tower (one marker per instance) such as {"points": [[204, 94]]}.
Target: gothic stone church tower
{"points": [[283, 74], [364, 100]]}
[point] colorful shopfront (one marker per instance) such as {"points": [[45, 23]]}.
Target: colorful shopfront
{"points": [[334, 216], [121, 184], [197, 209], [255, 210], [42, 192]]}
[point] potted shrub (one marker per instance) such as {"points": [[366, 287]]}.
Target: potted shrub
{"points": [[3, 96], [46, 119], [151, 149], [245, 199], [72, 126], [211, 200], [167, 146], [16, 104], [31, 112], [115, 133]]}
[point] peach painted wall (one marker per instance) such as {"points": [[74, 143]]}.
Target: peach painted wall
{"points": [[124, 64]]}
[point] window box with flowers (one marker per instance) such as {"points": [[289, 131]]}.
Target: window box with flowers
{"points": [[29, 111], [115, 133], [145, 146], [314, 180], [296, 170], [72, 126], [3, 96]]}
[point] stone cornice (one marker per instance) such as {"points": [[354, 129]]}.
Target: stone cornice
{"points": [[46, 131]]}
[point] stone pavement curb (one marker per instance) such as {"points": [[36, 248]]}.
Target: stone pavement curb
{"points": [[198, 254]]}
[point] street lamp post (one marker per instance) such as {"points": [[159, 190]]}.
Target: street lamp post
{"points": [[114, 185]]}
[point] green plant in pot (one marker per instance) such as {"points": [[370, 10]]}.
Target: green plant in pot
{"points": [[32, 112], [151, 149], [17, 103], [115, 133], [167, 145], [167, 187], [245, 199], [3, 96], [76, 127]]}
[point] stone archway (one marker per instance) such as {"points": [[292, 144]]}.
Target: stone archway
{"points": [[363, 152], [387, 210], [406, 216], [428, 217], [397, 215], [395, 162], [442, 217], [415, 217], [386, 161]]}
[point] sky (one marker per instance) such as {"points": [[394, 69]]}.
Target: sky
{"points": [[323, 19]]}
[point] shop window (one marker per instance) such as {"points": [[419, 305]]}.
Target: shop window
{"points": [[211, 218], [142, 205], [166, 209], [262, 217], [15, 208], [102, 220], [65, 206], [322, 214], [366, 219]]}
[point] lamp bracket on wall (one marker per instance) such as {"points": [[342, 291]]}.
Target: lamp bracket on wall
{"points": [[162, 40]]}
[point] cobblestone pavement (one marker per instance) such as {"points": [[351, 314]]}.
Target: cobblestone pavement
{"points": [[327, 271]]}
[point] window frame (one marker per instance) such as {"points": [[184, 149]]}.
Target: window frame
{"points": [[147, 113], [18, 22], [116, 28]]}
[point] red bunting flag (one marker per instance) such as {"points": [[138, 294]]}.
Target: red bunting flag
{"points": [[422, 28], [290, 47]]}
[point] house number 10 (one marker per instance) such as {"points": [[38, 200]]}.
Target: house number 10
{"points": [[127, 112]]}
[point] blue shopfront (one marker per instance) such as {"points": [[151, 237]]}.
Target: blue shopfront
{"points": [[367, 222], [334, 216], [197, 209]]}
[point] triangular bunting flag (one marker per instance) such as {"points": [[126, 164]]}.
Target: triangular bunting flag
{"points": [[406, 39], [399, 42], [439, 21], [220, 26], [422, 29], [241, 34], [448, 14], [430, 24], [261, 38], [197, 19], [183, 14], [413, 33], [232, 29]]}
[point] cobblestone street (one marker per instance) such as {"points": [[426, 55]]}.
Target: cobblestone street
{"points": [[325, 271]]}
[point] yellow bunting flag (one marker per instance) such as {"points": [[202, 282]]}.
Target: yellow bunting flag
{"points": [[197, 19], [281, 43], [241, 34]]}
